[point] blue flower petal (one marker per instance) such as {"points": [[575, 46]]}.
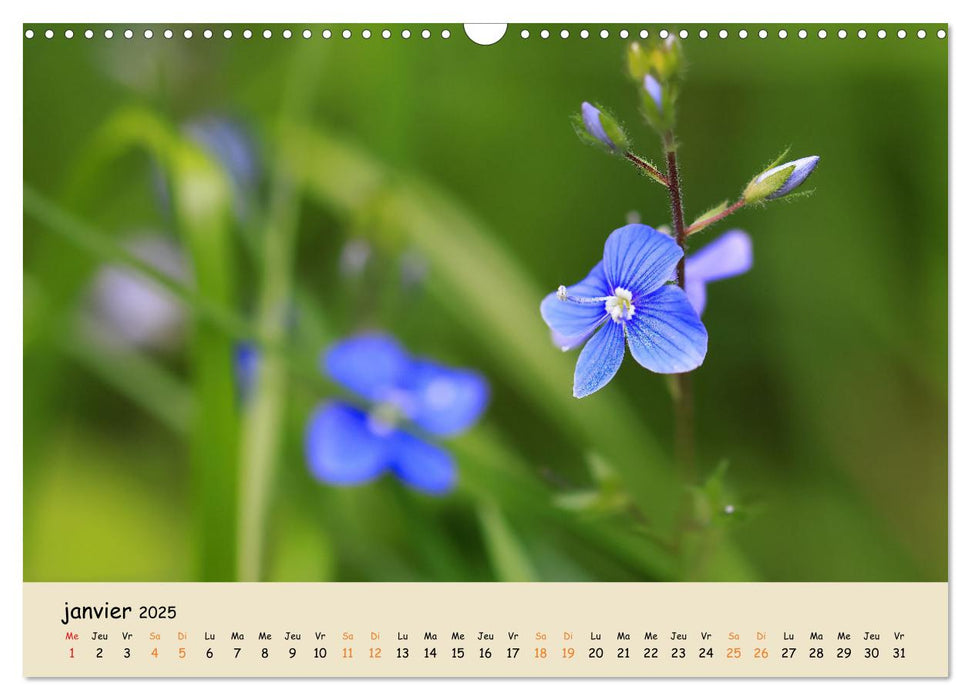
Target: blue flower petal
{"points": [[726, 256], [665, 335], [697, 294], [599, 360], [341, 448], [639, 259], [370, 365], [420, 464], [572, 323], [655, 90], [443, 400]]}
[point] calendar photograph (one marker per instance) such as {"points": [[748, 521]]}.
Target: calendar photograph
{"points": [[570, 303]]}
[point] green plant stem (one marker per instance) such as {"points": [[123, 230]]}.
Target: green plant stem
{"points": [[264, 414], [683, 396], [698, 225]]}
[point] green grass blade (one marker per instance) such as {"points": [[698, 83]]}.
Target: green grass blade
{"points": [[263, 422], [201, 197], [106, 249], [510, 562]]}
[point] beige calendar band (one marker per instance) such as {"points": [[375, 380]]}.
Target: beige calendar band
{"points": [[557, 629]]}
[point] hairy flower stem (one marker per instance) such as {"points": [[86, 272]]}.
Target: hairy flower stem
{"points": [[646, 167], [698, 225], [683, 397]]}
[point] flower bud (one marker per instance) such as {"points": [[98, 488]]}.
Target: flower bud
{"points": [[657, 102], [638, 61], [655, 91], [599, 128], [780, 180], [663, 58]]}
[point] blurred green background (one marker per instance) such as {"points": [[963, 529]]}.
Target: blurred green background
{"points": [[455, 167]]}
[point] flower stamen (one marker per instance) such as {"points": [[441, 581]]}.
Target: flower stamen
{"points": [[562, 295], [620, 306]]}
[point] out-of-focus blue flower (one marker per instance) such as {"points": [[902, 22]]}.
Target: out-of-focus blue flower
{"points": [[349, 445], [246, 363], [229, 143], [128, 308], [354, 257], [626, 295], [728, 255], [654, 89], [803, 168]]}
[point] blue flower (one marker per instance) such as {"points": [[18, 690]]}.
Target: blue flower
{"points": [[349, 445], [626, 295], [354, 257], [728, 255], [129, 309]]}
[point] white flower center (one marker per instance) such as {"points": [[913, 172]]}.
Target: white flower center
{"points": [[384, 418], [619, 306]]}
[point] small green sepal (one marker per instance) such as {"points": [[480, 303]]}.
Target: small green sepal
{"points": [[759, 190], [714, 211]]}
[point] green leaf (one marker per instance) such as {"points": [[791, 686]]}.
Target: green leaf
{"points": [[707, 554], [647, 168], [577, 500], [107, 250], [601, 470], [201, 195], [143, 380], [491, 468]]}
